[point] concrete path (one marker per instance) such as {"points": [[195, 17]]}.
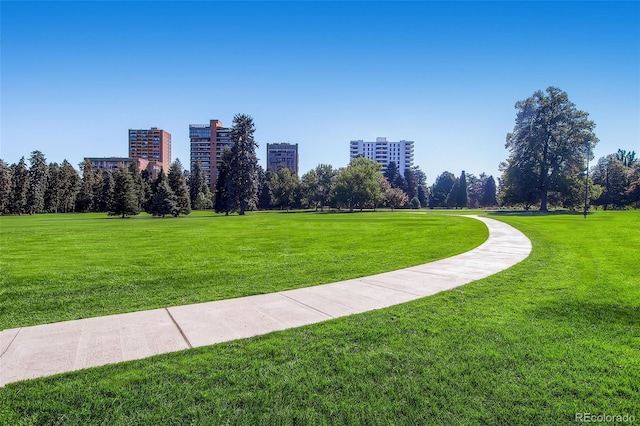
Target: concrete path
{"points": [[48, 349]]}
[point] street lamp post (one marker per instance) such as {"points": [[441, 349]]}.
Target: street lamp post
{"points": [[586, 180]]}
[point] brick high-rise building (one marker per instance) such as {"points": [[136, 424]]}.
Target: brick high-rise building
{"points": [[152, 145], [282, 155], [207, 146]]}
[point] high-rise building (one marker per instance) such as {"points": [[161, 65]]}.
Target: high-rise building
{"points": [[152, 145], [208, 142], [384, 152], [282, 155]]}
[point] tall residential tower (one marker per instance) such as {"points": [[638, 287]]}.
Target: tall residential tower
{"points": [[207, 146], [282, 155], [153, 146], [384, 152]]}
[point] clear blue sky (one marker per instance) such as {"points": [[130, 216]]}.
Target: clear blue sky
{"points": [[77, 75]]}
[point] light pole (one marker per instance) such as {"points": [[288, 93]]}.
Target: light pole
{"points": [[586, 180]]}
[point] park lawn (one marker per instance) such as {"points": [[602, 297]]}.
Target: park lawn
{"points": [[64, 267], [556, 335]]}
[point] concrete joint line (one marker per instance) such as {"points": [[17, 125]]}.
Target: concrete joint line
{"points": [[304, 304], [11, 342], [184, 336]]}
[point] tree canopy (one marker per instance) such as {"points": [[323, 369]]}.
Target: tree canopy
{"points": [[547, 148]]}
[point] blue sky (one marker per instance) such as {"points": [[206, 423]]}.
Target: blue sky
{"points": [[77, 75]]}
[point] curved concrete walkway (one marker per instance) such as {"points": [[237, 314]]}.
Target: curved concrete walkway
{"points": [[48, 349]]}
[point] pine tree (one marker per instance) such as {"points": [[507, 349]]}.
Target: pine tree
{"points": [[5, 186], [178, 185], [19, 187], [164, 201], [221, 202], [70, 183], [242, 181], [199, 192], [489, 198], [106, 191], [38, 176], [462, 198], [86, 198], [125, 200], [53, 195], [138, 184]]}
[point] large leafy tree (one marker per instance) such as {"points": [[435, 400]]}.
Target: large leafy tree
{"points": [[614, 173], [125, 198], [358, 185], [38, 178], [284, 187], [242, 180], [549, 144], [5, 186], [316, 185], [178, 185]]}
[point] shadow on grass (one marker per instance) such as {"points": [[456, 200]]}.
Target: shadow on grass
{"points": [[535, 213], [590, 312]]}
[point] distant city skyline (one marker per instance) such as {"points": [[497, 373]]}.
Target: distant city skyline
{"points": [[318, 74]]}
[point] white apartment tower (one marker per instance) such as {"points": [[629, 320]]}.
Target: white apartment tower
{"points": [[384, 152]]}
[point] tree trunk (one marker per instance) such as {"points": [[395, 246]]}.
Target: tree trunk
{"points": [[543, 200]]}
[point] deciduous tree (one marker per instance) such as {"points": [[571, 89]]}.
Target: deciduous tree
{"points": [[548, 145]]}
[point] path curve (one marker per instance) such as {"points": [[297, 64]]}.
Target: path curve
{"points": [[48, 349]]}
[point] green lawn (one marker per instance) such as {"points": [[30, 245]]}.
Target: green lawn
{"points": [[62, 267], [555, 335]]}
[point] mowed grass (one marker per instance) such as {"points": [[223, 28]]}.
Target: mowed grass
{"points": [[555, 335], [63, 267]]}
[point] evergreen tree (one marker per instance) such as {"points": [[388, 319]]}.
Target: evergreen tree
{"points": [[86, 199], [106, 192], [392, 174], [489, 197], [164, 201], [53, 195], [199, 192], [5, 186], [37, 182], [221, 203], [410, 183], [462, 198], [441, 189], [147, 185], [138, 185], [19, 187], [264, 197], [70, 184], [242, 180], [125, 199], [178, 185], [452, 197]]}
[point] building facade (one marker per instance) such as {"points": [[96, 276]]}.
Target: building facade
{"points": [[208, 142], [152, 145], [384, 152], [112, 163], [282, 155]]}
